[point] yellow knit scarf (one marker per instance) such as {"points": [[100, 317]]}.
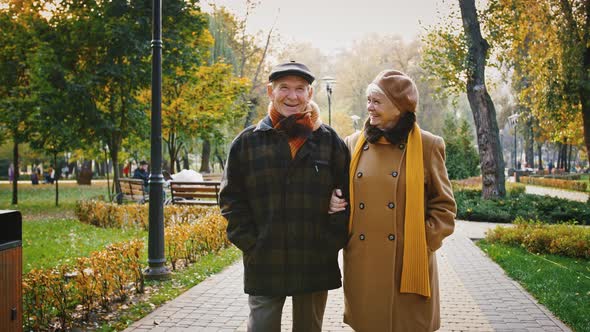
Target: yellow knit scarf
{"points": [[415, 276]]}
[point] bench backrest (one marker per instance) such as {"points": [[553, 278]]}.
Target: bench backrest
{"points": [[212, 177], [132, 190], [203, 192]]}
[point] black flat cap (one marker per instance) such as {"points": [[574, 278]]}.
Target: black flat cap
{"points": [[291, 68]]}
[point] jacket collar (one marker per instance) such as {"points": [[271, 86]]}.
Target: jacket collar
{"points": [[264, 125]]}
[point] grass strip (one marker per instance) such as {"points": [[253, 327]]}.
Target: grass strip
{"points": [[561, 284]]}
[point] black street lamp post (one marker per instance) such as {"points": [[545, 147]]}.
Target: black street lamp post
{"points": [[329, 81], [156, 259]]}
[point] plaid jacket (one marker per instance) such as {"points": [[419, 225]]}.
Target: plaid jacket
{"points": [[277, 209]]}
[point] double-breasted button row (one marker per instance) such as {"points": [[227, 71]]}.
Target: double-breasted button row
{"points": [[390, 205], [390, 237], [394, 174]]}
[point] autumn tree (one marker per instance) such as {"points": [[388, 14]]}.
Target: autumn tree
{"points": [[547, 44], [20, 27], [459, 56]]}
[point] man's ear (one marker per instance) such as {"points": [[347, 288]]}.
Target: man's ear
{"points": [[269, 90], [310, 92]]}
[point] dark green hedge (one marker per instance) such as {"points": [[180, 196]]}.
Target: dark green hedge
{"points": [[470, 206]]}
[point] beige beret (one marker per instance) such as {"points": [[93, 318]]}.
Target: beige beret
{"points": [[399, 88]]}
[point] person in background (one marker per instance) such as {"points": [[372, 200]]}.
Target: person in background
{"points": [[127, 170], [401, 209], [35, 176], [11, 173], [142, 173]]}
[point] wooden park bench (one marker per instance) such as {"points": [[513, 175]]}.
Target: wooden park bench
{"points": [[212, 177], [195, 193], [132, 190]]}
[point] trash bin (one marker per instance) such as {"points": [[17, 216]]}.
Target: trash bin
{"points": [[11, 271]]}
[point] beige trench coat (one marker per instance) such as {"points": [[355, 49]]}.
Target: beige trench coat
{"points": [[373, 256]]}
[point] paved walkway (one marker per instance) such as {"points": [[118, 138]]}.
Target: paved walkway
{"points": [[476, 295], [556, 192]]}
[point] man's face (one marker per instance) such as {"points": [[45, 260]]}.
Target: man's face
{"points": [[290, 94], [144, 167]]}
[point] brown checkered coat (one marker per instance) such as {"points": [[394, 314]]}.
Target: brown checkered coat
{"points": [[277, 209]]}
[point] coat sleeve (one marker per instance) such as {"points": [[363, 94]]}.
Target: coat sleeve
{"points": [[241, 229], [341, 164], [440, 203]]}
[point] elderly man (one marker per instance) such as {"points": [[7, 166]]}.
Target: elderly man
{"points": [[275, 195]]}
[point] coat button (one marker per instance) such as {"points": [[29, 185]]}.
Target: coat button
{"points": [[366, 147], [391, 237], [391, 205], [402, 146], [394, 174], [362, 237], [362, 206], [359, 174]]}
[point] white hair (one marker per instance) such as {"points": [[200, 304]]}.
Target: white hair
{"points": [[374, 88]]}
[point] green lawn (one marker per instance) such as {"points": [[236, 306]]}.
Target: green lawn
{"points": [[53, 235], [38, 202], [586, 178], [49, 242], [561, 284]]}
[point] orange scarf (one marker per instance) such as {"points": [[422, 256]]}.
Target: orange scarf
{"points": [[310, 118]]}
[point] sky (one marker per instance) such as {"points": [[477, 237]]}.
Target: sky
{"points": [[332, 25]]}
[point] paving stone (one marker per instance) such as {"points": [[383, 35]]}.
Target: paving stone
{"points": [[476, 295]]}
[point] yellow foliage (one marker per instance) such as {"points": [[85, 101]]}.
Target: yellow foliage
{"points": [[49, 296], [556, 183]]}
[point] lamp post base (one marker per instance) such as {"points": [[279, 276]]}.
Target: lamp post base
{"points": [[157, 273]]}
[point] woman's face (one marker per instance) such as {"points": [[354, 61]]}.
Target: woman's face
{"points": [[383, 114]]}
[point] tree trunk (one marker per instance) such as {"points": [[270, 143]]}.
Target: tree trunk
{"points": [[561, 158], [16, 172], [220, 160], [171, 151], [205, 168], [484, 113], [185, 161], [57, 174], [529, 143], [114, 152], [569, 158], [252, 105], [108, 184]]}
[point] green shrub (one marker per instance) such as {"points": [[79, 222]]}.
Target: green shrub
{"points": [[555, 183], [515, 188], [565, 239], [104, 214], [470, 206]]}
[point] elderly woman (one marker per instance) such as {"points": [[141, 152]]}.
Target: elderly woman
{"points": [[401, 208]]}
